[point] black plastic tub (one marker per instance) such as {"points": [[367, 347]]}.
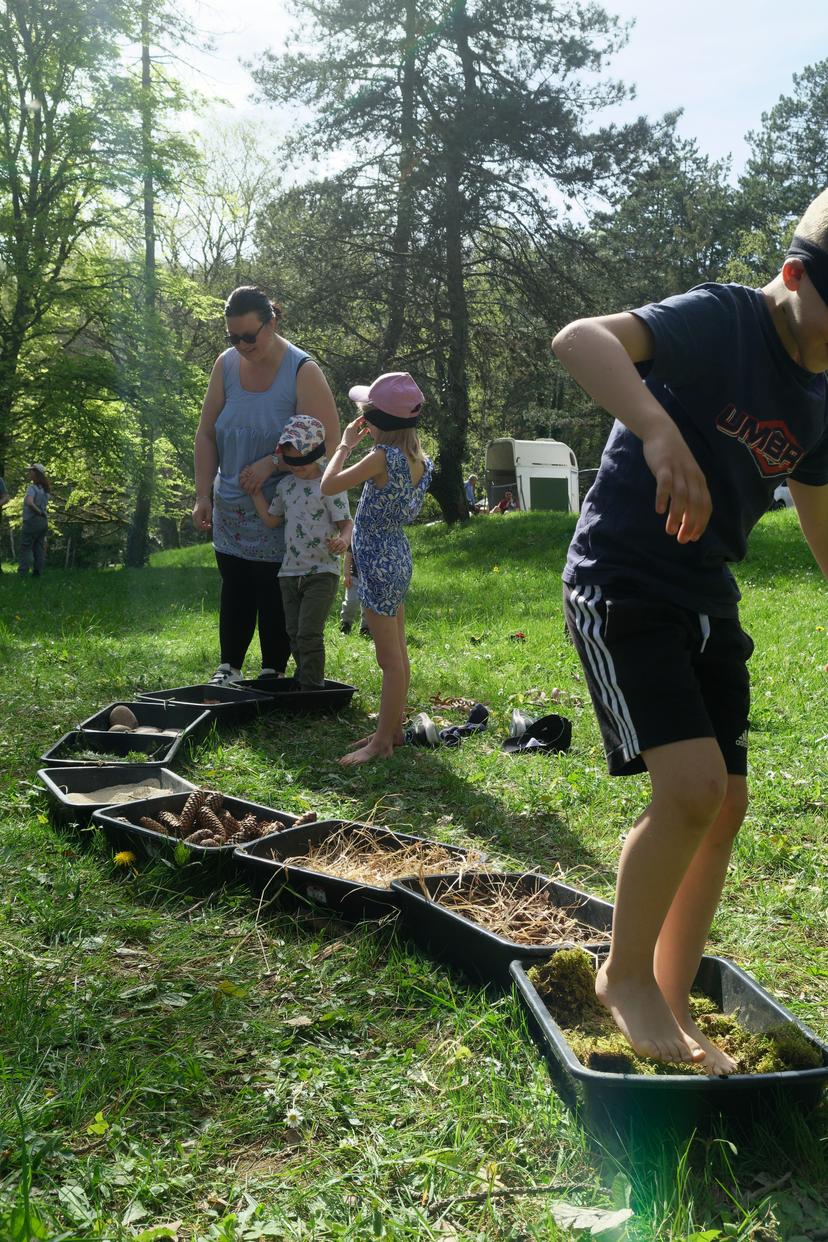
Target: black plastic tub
{"points": [[134, 835], [183, 718], [224, 703], [267, 868], [157, 749], [286, 695], [636, 1105], [61, 783], [482, 954]]}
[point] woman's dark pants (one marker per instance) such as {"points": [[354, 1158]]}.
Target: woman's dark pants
{"points": [[250, 594]]}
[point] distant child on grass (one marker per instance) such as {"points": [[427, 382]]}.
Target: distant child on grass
{"points": [[396, 474], [317, 529], [733, 400]]}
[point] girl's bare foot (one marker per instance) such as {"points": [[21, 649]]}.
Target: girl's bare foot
{"points": [[366, 741], [373, 750], [645, 1019]]}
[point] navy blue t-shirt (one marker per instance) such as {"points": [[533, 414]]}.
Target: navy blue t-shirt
{"points": [[751, 417]]}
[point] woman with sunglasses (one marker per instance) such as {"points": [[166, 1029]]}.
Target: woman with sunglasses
{"points": [[256, 386]]}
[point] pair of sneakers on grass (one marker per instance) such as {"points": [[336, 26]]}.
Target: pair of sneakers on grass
{"points": [[544, 733]]}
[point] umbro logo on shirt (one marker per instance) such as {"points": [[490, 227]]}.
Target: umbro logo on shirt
{"points": [[774, 448]]}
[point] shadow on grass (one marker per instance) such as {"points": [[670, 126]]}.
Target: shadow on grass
{"points": [[106, 602], [419, 788]]}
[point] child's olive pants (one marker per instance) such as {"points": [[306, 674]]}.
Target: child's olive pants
{"points": [[307, 601]]}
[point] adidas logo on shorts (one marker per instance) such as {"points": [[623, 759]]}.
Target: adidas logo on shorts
{"points": [[742, 739]]}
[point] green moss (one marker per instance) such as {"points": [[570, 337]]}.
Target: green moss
{"points": [[567, 985]]}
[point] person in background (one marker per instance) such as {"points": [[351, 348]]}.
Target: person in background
{"points": [[256, 385], [4, 500], [506, 505], [35, 522], [469, 487], [351, 607]]}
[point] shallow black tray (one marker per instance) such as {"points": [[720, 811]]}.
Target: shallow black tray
{"points": [[232, 706], [626, 1104], [286, 695], [188, 720], [60, 782], [480, 953], [275, 877], [120, 834], [159, 749]]}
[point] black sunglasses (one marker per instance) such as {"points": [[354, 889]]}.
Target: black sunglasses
{"points": [[249, 338]]}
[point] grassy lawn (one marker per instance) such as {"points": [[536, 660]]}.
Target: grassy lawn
{"points": [[170, 1057]]}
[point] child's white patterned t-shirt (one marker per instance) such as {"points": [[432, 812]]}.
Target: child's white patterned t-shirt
{"points": [[310, 521]]}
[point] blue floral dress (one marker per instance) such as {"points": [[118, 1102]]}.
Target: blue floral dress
{"points": [[380, 549]]}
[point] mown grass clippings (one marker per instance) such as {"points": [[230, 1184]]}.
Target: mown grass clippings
{"points": [[508, 907]]}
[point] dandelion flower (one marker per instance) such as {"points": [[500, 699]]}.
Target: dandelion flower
{"points": [[124, 859], [293, 1118]]}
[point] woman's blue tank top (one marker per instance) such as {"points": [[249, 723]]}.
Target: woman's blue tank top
{"points": [[248, 428]]}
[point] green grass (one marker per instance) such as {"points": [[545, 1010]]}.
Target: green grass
{"points": [[170, 1057]]}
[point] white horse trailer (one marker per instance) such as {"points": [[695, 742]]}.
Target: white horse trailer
{"points": [[541, 474]]}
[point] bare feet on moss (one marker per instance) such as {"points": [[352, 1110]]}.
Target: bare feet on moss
{"points": [[645, 1019], [373, 750]]}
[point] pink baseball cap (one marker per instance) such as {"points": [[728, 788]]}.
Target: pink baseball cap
{"points": [[396, 394]]}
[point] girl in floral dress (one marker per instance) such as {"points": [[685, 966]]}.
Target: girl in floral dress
{"points": [[396, 475]]}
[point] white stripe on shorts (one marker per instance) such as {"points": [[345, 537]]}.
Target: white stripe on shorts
{"points": [[589, 622]]}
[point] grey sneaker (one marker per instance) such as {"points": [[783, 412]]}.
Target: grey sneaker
{"points": [[422, 731], [520, 722], [225, 675]]}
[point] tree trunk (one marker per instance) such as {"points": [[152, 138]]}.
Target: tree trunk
{"points": [[137, 545], [404, 225], [452, 432], [137, 542]]}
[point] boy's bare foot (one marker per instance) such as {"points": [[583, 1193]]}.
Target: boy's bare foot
{"points": [[645, 1019], [374, 750], [366, 741], [716, 1061]]}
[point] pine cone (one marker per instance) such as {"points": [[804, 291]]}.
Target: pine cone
{"points": [[146, 821], [202, 836], [208, 819], [214, 800], [229, 823], [268, 826], [171, 822], [190, 810]]}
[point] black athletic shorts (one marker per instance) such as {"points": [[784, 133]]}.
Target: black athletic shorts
{"points": [[658, 673]]}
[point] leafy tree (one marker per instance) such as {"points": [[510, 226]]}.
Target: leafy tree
{"points": [[461, 119], [58, 166], [788, 165]]}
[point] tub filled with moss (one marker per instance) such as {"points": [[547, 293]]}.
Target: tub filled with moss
{"points": [[780, 1062]]}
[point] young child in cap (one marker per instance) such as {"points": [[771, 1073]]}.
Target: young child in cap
{"points": [[396, 475], [317, 529], [734, 398]]}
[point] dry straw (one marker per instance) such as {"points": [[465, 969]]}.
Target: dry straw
{"points": [[511, 907], [355, 852]]}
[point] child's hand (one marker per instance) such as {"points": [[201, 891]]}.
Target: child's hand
{"points": [[355, 431], [337, 544]]}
